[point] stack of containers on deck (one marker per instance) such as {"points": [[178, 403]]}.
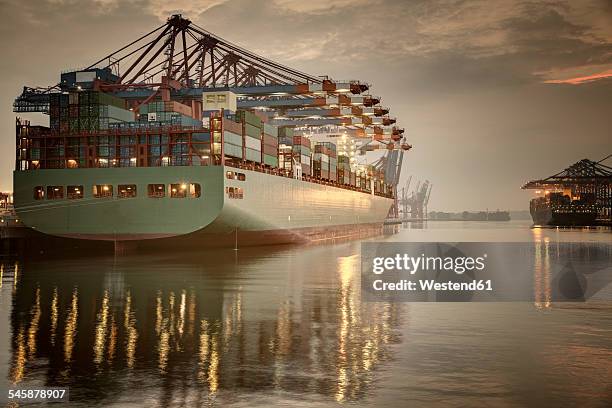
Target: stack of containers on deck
{"points": [[86, 111], [97, 110], [285, 157], [232, 138], [253, 128], [301, 153], [58, 113], [344, 170], [269, 145], [170, 113], [285, 147], [322, 160], [285, 136]]}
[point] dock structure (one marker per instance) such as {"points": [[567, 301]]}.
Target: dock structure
{"points": [[584, 188]]}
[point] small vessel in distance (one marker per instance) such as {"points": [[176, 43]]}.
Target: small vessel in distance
{"points": [[580, 195]]}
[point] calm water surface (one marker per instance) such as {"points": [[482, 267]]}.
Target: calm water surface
{"points": [[286, 326]]}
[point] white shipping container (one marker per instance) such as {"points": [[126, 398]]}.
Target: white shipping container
{"points": [[252, 143], [323, 158]]}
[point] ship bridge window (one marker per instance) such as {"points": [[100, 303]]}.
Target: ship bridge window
{"points": [[126, 190], [234, 193], [102, 190], [39, 193], [55, 192], [156, 190], [178, 190], [74, 192]]}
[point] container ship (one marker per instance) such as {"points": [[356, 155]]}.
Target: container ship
{"points": [[580, 195], [184, 138]]}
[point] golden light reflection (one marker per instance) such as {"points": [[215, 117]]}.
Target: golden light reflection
{"points": [[1, 274], [181, 321], [213, 370], [163, 347], [112, 341], [132, 334], [191, 313], [33, 330], [541, 275], [203, 352], [15, 276], [346, 271], [54, 314], [101, 328], [71, 326], [20, 359], [158, 313]]}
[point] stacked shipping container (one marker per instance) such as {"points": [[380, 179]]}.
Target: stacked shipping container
{"points": [[344, 170], [302, 153], [324, 161], [269, 145]]}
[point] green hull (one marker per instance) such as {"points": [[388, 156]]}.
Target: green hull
{"points": [[270, 203]]}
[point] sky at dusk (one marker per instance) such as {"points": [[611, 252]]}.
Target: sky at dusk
{"points": [[490, 93]]}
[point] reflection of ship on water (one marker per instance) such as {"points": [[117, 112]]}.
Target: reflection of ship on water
{"points": [[198, 330], [580, 195]]}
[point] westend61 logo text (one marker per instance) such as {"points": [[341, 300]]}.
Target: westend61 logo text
{"points": [[412, 264]]}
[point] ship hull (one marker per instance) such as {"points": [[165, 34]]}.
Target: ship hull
{"points": [[273, 209], [549, 217]]}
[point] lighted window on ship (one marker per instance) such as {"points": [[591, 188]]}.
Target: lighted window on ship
{"points": [[102, 190], [234, 193], [39, 193], [178, 190], [156, 190], [74, 192], [55, 192], [126, 191]]}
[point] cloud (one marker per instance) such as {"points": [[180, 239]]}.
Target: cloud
{"points": [[581, 79], [189, 8]]}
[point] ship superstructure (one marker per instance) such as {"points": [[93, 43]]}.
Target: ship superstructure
{"points": [[182, 133]]}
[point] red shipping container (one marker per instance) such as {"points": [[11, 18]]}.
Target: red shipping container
{"points": [[270, 150]]}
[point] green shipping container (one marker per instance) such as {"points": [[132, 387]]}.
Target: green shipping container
{"points": [[250, 118], [232, 150], [253, 131], [270, 130], [270, 160]]}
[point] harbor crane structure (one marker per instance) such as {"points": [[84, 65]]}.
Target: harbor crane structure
{"points": [[181, 61]]}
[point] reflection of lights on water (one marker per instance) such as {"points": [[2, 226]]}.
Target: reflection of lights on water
{"points": [[101, 326], [15, 276], [132, 334], [33, 330], [54, 314], [213, 369], [181, 322], [541, 274], [158, 313], [164, 349], [71, 326], [346, 269], [112, 341], [19, 360], [203, 353]]}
